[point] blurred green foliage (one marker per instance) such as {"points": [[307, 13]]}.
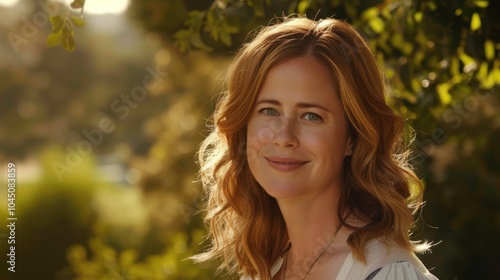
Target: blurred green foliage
{"points": [[62, 26], [442, 63], [168, 191], [94, 222], [62, 32]]}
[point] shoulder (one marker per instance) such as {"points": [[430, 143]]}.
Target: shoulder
{"points": [[400, 270], [385, 261]]}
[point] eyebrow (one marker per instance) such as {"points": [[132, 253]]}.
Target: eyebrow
{"points": [[298, 105]]}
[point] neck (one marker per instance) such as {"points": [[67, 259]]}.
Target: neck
{"points": [[311, 224]]}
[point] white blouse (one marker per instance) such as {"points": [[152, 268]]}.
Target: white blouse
{"points": [[382, 262]]}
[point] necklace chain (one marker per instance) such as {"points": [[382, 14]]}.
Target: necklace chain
{"points": [[317, 258]]}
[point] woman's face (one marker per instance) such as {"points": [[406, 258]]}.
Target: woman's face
{"points": [[297, 136]]}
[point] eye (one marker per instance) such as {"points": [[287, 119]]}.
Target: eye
{"points": [[313, 117], [268, 112]]}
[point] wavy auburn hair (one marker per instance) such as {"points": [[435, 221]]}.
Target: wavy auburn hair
{"points": [[247, 229]]}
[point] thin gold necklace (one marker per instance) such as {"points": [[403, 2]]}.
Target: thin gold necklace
{"points": [[317, 258]]}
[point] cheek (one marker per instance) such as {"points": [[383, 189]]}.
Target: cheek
{"points": [[328, 143], [316, 136], [252, 143], [260, 133]]}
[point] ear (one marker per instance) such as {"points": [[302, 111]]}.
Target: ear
{"points": [[349, 147]]}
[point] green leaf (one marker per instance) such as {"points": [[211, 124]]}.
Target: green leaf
{"points": [[214, 32], [455, 66], [225, 38], [416, 85], [489, 82], [198, 43], [377, 25], [78, 21], [466, 59], [495, 77], [407, 48], [54, 39], [303, 6], [444, 94], [57, 23], [489, 50], [194, 18], [68, 39], [482, 73], [397, 40], [482, 4], [475, 23], [370, 14], [182, 39], [210, 19], [232, 28], [77, 4], [418, 16]]}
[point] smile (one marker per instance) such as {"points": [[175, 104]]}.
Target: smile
{"points": [[285, 164]]}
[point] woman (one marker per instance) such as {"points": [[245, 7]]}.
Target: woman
{"points": [[305, 169]]}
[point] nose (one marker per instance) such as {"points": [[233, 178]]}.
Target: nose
{"points": [[285, 134]]}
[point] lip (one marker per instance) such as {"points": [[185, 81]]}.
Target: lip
{"points": [[285, 163]]}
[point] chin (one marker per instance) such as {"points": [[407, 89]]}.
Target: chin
{"points": [[279, 191]]}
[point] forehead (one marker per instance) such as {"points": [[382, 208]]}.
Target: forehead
{"points": [[302, 78]]}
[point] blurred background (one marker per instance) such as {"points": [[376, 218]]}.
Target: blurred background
{"points": [[104, 137]]}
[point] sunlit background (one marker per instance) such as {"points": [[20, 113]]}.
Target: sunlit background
{"points": [[91, 6], [104, 138], [8, 3], [89, 206]]}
